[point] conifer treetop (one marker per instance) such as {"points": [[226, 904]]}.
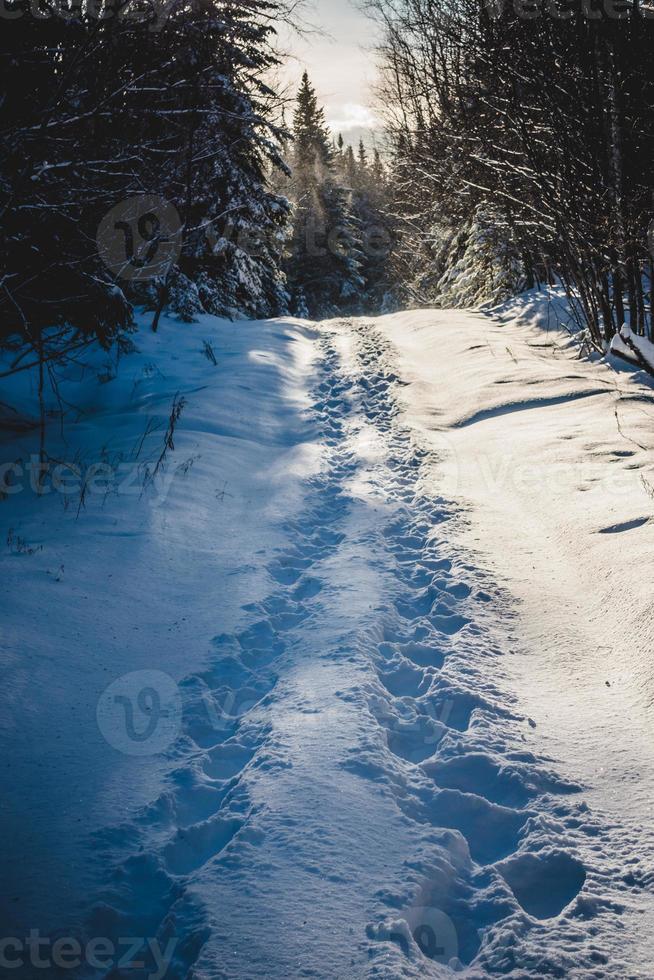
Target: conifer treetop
{"points": [[310, 130]]}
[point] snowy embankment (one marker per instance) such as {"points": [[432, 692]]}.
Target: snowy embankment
{"points": [[357, 684]]}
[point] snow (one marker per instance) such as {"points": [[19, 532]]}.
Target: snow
{"points": [[638, 350], [358, 685], [139, 581]]}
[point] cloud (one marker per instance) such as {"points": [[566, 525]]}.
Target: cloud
{"points": [[352, 116]]}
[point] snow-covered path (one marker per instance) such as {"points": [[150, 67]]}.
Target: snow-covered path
{"points": [[368, 781]]}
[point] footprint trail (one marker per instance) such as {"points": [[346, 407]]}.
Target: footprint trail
{"points": [[354, 793]]}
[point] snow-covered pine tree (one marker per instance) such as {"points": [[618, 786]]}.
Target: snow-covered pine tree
{"points": [[475, 263], [212, 143], [116, 109], [119, 106], [368, 197], [324, 254]]}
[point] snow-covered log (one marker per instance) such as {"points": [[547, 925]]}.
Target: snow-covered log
{"points": [[630, 347]]}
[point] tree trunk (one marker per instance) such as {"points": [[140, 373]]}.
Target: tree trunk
{"points": [[624, 272]]}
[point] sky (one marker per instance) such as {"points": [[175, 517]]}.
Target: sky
{"points": [[340, 62]]}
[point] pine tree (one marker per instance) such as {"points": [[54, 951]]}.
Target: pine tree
{"points": [[362, 160], [312, 152], [114, 110], [324, 257], [235, 225], [57, 297], [369, 202], [378, 172], [56, 293], [350, 168]]}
